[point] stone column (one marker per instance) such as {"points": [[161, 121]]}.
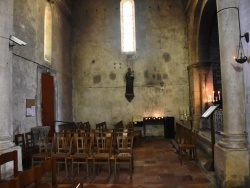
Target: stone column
{"points": [[231, 154], [6, 128]]}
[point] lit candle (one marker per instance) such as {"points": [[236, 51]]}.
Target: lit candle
{"points": [[219, 94]]}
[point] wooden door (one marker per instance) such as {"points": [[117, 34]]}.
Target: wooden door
{"points": [[48, 112]]}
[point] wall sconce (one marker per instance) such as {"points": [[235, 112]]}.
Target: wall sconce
{"points": [[242, 59]]}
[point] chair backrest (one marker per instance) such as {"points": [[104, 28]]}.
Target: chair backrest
{"points": [[64, 144], [7, 157], [28, 177], [129, 125], [101, 126], [118, 125], [194, 137], [83, 145], [190, 136], [46, 144], [86, 126], [19, 141], [29, 140], [125, 144], [79, 125], [104, 144], [69, 132]]}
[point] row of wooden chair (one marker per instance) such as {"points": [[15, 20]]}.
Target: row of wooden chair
{"points": [[85, 151], [186, 141], [102, 127], [74, 125], [93, 133]]}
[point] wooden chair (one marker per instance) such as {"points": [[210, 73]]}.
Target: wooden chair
{"points": [[62, 153], [86, 126], [188, 147], [46, 146], [101, 126], [83, 126], [26, 153], [118, 125], [8, 157], [104, 151], [30, 143], [69, 132], [83, 151], [124, 153], [129, 125]]}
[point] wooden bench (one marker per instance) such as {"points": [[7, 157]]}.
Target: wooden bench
{"points": [[185, 141]]}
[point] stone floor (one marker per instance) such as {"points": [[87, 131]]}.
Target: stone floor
{"points": [[155, 165]]}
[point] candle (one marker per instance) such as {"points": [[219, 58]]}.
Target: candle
{"points": [[219, 95]]}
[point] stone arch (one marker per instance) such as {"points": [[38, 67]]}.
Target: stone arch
{"points": [[204, 18]]}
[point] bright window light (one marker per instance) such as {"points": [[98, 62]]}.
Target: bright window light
{"points": [[48, 33], [128, 27]]}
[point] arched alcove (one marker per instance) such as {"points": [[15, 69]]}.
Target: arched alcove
{"points": [[208, 52]]}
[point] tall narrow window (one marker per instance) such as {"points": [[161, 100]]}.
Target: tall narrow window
{"points": [[128, 43], [48, 33]]}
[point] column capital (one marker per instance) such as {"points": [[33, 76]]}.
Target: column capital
{"points": [[233, 141]]}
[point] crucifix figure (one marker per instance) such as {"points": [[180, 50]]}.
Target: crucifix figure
{"points": [[129, 85]]}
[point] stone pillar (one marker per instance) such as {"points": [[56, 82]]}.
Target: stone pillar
{"points": [[6, 128], [231, 154]]}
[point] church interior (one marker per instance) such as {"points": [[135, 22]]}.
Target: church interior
{"points": [[182, 68]]}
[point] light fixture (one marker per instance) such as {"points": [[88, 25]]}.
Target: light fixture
{"points": [[17, 40], [241, 58]]}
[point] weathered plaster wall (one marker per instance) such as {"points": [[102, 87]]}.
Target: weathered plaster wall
{"points": [[29, 26], [160, 64]]}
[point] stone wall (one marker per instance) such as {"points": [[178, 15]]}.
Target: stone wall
{"points": [[29, 63], [160, 63]]}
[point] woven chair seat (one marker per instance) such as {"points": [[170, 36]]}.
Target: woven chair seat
{"points": [[80, 155], [101, 155], [121, 155]]}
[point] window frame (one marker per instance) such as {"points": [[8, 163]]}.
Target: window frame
{"points": [[123, 50]]}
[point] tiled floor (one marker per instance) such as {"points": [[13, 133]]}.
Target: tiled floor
{"points": [[155, 165]]}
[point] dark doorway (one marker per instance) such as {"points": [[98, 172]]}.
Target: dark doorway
{"points": [[48, 116]]}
